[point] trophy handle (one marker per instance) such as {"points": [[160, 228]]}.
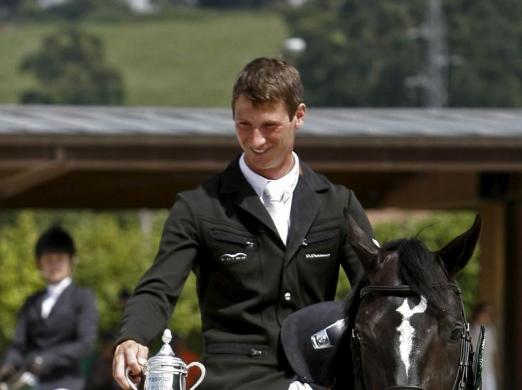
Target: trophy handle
{"points": [[201, 375], [129, 381]]}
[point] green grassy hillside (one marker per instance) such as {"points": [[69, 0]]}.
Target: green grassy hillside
{"points": [[190, 60]]}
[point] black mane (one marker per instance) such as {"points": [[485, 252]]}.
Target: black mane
{"points": [[421, 270], [418, 267]]}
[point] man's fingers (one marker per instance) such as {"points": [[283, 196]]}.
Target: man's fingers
{"points": [[128, 354], [143, 355], [118, 368]]}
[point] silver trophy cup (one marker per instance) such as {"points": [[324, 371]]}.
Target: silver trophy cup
{"points": [[165, 371]]}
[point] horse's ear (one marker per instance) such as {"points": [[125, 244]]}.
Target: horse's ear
{"points": [[457, 253], [363, 246]]}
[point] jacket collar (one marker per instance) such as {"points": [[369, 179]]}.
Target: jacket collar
{"points": [[233, 181], [305, 204]]}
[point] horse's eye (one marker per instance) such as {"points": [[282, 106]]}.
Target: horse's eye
{"points": [[456, 334]]}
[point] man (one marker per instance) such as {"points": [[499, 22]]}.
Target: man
{"points": [[265, 238], [57, 326]]}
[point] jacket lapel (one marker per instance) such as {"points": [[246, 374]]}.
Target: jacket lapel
{"points": [[305, 206], [36, 307], [234, 183], [305, 203], [62, 299]]}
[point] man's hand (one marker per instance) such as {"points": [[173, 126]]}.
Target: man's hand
{"points": [[299, 386], [36, 365], [131, 355], [6, 371]]}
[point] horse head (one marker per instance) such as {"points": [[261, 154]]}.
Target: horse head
{"points": [[406, 323]]}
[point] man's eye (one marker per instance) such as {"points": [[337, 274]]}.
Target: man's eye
{"points": [[271, 126]]}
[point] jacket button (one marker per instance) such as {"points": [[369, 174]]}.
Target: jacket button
{"points": [[256, 353], [288, 296]]}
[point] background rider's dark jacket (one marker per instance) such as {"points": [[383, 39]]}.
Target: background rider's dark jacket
{"points": [[248, 280], [62, 339]]}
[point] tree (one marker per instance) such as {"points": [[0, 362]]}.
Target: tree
{"points": [[8, 8], [364, 52], [486, 37], [235, 3], [71, 68], [358, 52]]}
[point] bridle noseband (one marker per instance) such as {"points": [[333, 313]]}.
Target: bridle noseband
{"points": [[464, 379]]}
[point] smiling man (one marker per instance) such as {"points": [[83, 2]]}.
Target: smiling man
{"points": [[57, 326], [265, 237]]}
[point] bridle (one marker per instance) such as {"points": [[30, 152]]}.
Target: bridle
{"points": [[464, 380]]}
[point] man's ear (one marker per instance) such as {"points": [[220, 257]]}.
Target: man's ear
{"points": [[364, 246], [299, 115], [456, 254]]}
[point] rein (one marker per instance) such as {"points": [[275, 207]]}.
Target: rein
{"points": [[464, 379]]}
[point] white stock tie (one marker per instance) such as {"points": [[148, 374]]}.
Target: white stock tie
{"points": [[274, 199], [48, 303]]}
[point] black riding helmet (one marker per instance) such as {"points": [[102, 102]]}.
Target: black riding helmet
{"points": [[309, 338]]}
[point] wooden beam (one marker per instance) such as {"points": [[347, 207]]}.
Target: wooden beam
{"points": [[433, 190], [29, 178]]}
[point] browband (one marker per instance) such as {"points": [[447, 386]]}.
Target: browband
{"points": [[403, 289]]}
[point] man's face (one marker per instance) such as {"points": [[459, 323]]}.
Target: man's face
{"points": [[267, 134], [55, 266]]}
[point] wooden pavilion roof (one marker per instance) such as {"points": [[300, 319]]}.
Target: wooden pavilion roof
{"points": [[127, 157]]}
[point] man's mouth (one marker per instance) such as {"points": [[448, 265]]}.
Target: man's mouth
{"points": [[259, 151]]}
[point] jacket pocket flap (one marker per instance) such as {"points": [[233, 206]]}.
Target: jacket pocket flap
{"points": [[324, 235], [221, 235]]}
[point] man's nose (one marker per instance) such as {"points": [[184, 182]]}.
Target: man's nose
{"points": [[257, 139]]}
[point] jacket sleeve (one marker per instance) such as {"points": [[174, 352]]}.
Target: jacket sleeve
{"points": [[14, 355], [351, 263], [70, 353], [149, 309]]}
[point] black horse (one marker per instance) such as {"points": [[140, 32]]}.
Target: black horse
{"points": [[403, 326]]}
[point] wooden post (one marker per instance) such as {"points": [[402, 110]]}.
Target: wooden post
{"points": [[513, 345], [492, 287]]}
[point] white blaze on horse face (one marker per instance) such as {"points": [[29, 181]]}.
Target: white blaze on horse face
{"points": [[406, 331]]}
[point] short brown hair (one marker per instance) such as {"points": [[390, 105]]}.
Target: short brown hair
{"points": [[268, 80]]}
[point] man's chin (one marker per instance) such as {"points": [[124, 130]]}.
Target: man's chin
{"points": [[256, 161]]}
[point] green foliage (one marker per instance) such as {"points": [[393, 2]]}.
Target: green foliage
{"points": [[114, 251], [487, 39], [72, 10], [187, 57], [235, 3], [19, 276], [8, 8], [358, 52], [361, 53], [435, 231], [71, 68]]}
